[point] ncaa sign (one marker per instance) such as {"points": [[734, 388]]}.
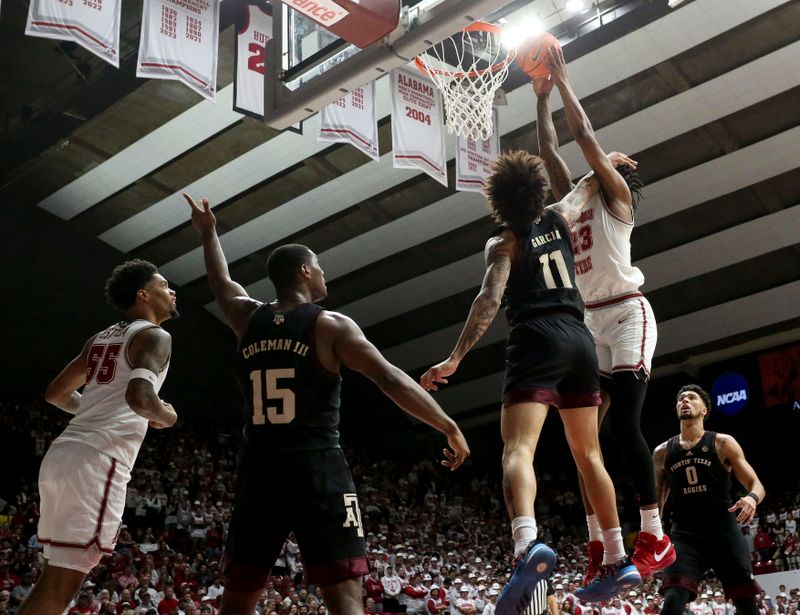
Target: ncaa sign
{"points": [[730, 393]]}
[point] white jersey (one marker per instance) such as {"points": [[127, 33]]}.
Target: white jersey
{"points": [[601, 243], [251, 41], [104, 420]]}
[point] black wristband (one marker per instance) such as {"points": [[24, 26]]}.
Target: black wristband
{"points": [[754, 496]]}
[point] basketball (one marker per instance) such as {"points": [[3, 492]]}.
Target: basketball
{"points": [[531, 55]]}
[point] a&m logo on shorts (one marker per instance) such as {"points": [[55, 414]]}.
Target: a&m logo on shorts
{"points": [[353, 518]]}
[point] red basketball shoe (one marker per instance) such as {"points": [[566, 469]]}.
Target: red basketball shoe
{"points": [[596, 551], [651, 555]]}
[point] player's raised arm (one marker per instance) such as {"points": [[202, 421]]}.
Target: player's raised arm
{"points": [[149, 352], [662, 489], [557, 170], [733, 455], [232, 298], [358, 353], [484, 308], [612, 182], [62, 392]]}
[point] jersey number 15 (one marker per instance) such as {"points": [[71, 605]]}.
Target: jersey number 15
{"points": [[275, 415]]}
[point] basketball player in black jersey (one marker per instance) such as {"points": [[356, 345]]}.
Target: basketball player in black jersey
{"points": [[550, 361], [287, 365], [694, 469]]}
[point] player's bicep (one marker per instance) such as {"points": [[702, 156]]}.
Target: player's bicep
{"points": [[356, 352], [741, 468]]}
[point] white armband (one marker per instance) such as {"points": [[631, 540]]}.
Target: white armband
{"points": [[145, 374]]}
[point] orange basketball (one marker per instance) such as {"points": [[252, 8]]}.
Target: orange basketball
{"points": [[531, 55]]}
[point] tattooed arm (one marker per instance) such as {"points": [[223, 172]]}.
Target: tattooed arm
{"points": [[498, 255]]}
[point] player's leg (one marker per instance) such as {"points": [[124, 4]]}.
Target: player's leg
{"points": [[344, 598], [675, 600], [734, 568], [680, 579], [595, 544], [520, 427], [256, 535], [632, 334], [329, 531], [53, 590]]}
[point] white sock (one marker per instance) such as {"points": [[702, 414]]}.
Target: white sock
{"points": [[651, 522], [523, 531], [594, 528], [612, 543]]}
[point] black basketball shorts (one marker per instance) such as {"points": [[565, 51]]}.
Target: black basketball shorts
{"points": [[551, 360], [722, 550], [308, 492]]}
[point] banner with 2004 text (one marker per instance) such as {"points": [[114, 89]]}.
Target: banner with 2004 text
{"points": [[417, 124]]}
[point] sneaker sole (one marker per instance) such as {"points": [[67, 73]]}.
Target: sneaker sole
{"points": [[624, 583], [541, 561]]}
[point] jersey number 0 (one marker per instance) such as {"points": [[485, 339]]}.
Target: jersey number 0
{"points": [[275, 415]]}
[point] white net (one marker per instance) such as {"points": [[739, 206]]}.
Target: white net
{"points": [[468, 68]]}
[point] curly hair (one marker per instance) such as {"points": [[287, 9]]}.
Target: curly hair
{"points": [[635, 184], [516, 189], [125, 282], [283, 263], [696, 388]]}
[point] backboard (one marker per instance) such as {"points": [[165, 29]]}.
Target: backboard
{"points": [[310, 66]]}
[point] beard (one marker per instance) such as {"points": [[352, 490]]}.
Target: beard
{"points": [[174, 314]]}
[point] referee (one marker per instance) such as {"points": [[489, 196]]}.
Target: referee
{"points": [[543, 601]]}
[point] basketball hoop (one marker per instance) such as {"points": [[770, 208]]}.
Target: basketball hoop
{"points": [[469, 85]]}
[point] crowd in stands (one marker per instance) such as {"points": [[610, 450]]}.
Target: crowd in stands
{"points": [[438, 543]]}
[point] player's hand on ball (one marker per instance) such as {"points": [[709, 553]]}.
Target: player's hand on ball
{"points": [[555, 62], [202, 216], [438, 374], [747, 509]]}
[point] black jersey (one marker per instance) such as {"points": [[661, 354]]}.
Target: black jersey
{"points": [[542, 278], [699, 485], [291, 401]]}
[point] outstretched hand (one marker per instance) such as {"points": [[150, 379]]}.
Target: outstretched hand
{"points": [[747, 509], [459, 453], [438, 374], [554, 60], [618, 159], [202, 217]]}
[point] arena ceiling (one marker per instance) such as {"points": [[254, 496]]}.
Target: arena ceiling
{"points": [[705, 96]]}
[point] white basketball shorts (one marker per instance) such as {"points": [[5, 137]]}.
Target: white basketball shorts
{"points": [[625, 333], [82, 494]]}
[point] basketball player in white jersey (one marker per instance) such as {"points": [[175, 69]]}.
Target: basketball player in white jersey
{"points": [[617, 314], [83, 477]]}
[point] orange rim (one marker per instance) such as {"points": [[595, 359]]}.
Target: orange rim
{"points": [[480, 26]]}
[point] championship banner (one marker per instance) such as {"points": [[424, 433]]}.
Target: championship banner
{"points": [[352, 119], [417, 124], [92, 24], [474, 157], [252, 35], [179, 41]]}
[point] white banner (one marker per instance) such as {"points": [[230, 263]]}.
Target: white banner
{"points": [[417, 124], [92, 24], [352, 119], [473, 158], [179, 41], [251, 38]]}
